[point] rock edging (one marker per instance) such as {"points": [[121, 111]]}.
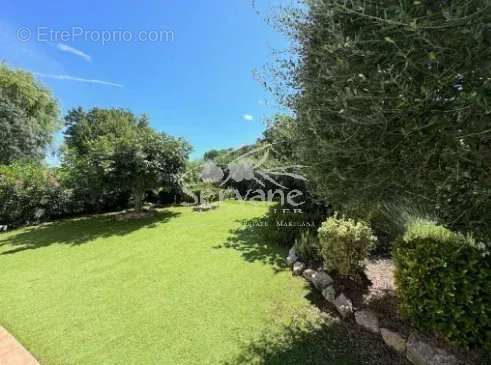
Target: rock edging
{"points": [[417, 350]]}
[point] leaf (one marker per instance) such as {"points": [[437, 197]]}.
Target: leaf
{"points": [[390, 40]]}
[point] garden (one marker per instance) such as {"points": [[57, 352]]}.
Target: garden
{"points": [[179, 288], [356, 230]]}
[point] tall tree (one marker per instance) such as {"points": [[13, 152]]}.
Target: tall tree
{"points": [[112, 152], [147, 160], [393, 104], [28, 116], [85, 127]]}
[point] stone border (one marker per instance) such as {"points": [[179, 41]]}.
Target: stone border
{"points": [[417, 350], [12, 352]]}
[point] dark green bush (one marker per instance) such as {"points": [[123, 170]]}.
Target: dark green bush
{"points": [[384, 229], [388, 222], [444, 283], [285, 225], [307, 246]]}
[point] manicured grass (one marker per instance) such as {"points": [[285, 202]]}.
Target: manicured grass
{"points": [[180, 288]]}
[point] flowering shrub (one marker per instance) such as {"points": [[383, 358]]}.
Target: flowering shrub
{"points": [[30, 193]]}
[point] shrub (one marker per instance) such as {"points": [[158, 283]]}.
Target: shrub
{"points": [[384, 228], [444, 283], [93, 189], [389, 221], [307, 246], [344, 244], [285, 225], [31, 193]]}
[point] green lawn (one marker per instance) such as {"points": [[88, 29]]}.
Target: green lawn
{"points": [[181, 288]]}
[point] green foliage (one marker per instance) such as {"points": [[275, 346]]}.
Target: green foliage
{"points": [[444, 283], [307, 246], [147, 161], [283, 225], [344, 244], [280, 134], [30, 193], [388, 222], [112, 153], [28, 116], [217, 155], [88, 176], [83, 128], [394, 102], [384, 229]]}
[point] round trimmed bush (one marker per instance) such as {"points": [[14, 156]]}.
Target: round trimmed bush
{"points": [[344, 244], [444, 283]]}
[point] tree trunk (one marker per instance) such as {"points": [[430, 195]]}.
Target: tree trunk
{"points": [[138, 196]]}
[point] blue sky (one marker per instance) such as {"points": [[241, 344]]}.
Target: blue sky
{"points": [[194, 78]]}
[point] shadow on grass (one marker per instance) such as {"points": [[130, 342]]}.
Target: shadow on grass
{"points": [[333, 342], [250, 240], [78, 231]]}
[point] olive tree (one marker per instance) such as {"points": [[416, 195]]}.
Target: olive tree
{"points": [[393, 104]]}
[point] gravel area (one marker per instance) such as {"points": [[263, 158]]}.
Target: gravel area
{"points": [[380, 272]]}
